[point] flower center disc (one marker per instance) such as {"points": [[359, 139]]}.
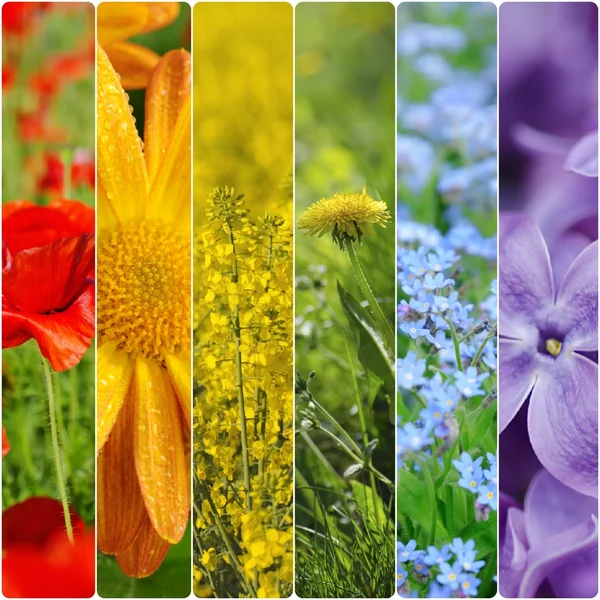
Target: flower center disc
{"points": [[144, 286]]}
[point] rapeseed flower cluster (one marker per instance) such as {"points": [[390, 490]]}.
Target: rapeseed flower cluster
{"points": [[242, 423]]}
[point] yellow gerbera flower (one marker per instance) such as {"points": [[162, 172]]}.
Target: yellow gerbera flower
{"points": [[345, 216], [144, 287], [117, 22]]}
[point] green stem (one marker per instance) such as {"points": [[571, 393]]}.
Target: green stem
{"points": [[56, 448], [456, 343], [365, 433], [237, 331], [481, 348], [67, 160], [384, 324]]}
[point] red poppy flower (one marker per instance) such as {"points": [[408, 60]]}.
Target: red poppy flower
{"points": [[27, 225], [5, 444], [38, 560], [82, 172], [17, 16], [70, 67], [32, 127], [47, 295], [8, 77]]}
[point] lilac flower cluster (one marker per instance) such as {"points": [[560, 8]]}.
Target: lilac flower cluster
{"points": [[459, 117], [479, 481], [444, 325], [447, 571]]}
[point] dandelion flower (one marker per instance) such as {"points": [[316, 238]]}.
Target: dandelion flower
{"points": [[346, 216], [144, 286], [117, 22]]}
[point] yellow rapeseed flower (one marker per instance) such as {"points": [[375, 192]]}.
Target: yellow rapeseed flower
{"points": [[345, 216], [117, 22], [144, 286]]}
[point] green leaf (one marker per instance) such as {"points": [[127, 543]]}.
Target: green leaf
{"points": [[171, 580], [483, 533], [413, 501], [372, 508], [483, 422], [372, 351]]}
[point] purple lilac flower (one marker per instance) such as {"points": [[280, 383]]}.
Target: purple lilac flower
{"points": [[564, 554], [545, 336], [583, 157]]}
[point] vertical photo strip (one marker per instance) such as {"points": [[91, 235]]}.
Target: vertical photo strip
{"points": [[144, 299], [548, 299], [243, 298], [48, 295], [447, 321], [345, 300]]}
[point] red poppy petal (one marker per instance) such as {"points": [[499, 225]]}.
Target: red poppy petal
{"points": [[36, 226], [48, 279], [63, 337], [5, 444], [62, 570], [82, 216], [12, 207], [35, 522]]}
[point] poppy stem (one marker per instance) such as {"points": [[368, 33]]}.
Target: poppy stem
{"points": [[56, 448]]}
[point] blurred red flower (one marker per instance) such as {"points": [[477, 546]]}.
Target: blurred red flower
{"points": [[38, 560], [47, 295], [5, 444], [27, 225], [82, 173], [17, 17]]}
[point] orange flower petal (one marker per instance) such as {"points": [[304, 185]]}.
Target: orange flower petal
{"points": [[179, 370], [121, 166], [134, 63], [119, 20], [160, 14], [115, 371], [121, 510], [145, 555], [159, 450], [170, 196], [169, 88]]}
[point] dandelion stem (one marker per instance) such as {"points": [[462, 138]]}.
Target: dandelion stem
{"points": [[363, 427], [383, 323], [56, 448]]}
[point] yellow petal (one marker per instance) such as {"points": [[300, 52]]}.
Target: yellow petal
{"points": [[170, 196], [121, 509], [133, 62], [121, 166], [160, 14], [159, 450], [146, 553], [119, 20], [115, 369], [166, 95], [180, 373]]}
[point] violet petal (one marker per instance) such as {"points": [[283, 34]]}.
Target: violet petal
{"points": [[583, 157], [577, 299], [513, 554], [517, 377], [562, 552], [526, 285], [563, 421]]}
